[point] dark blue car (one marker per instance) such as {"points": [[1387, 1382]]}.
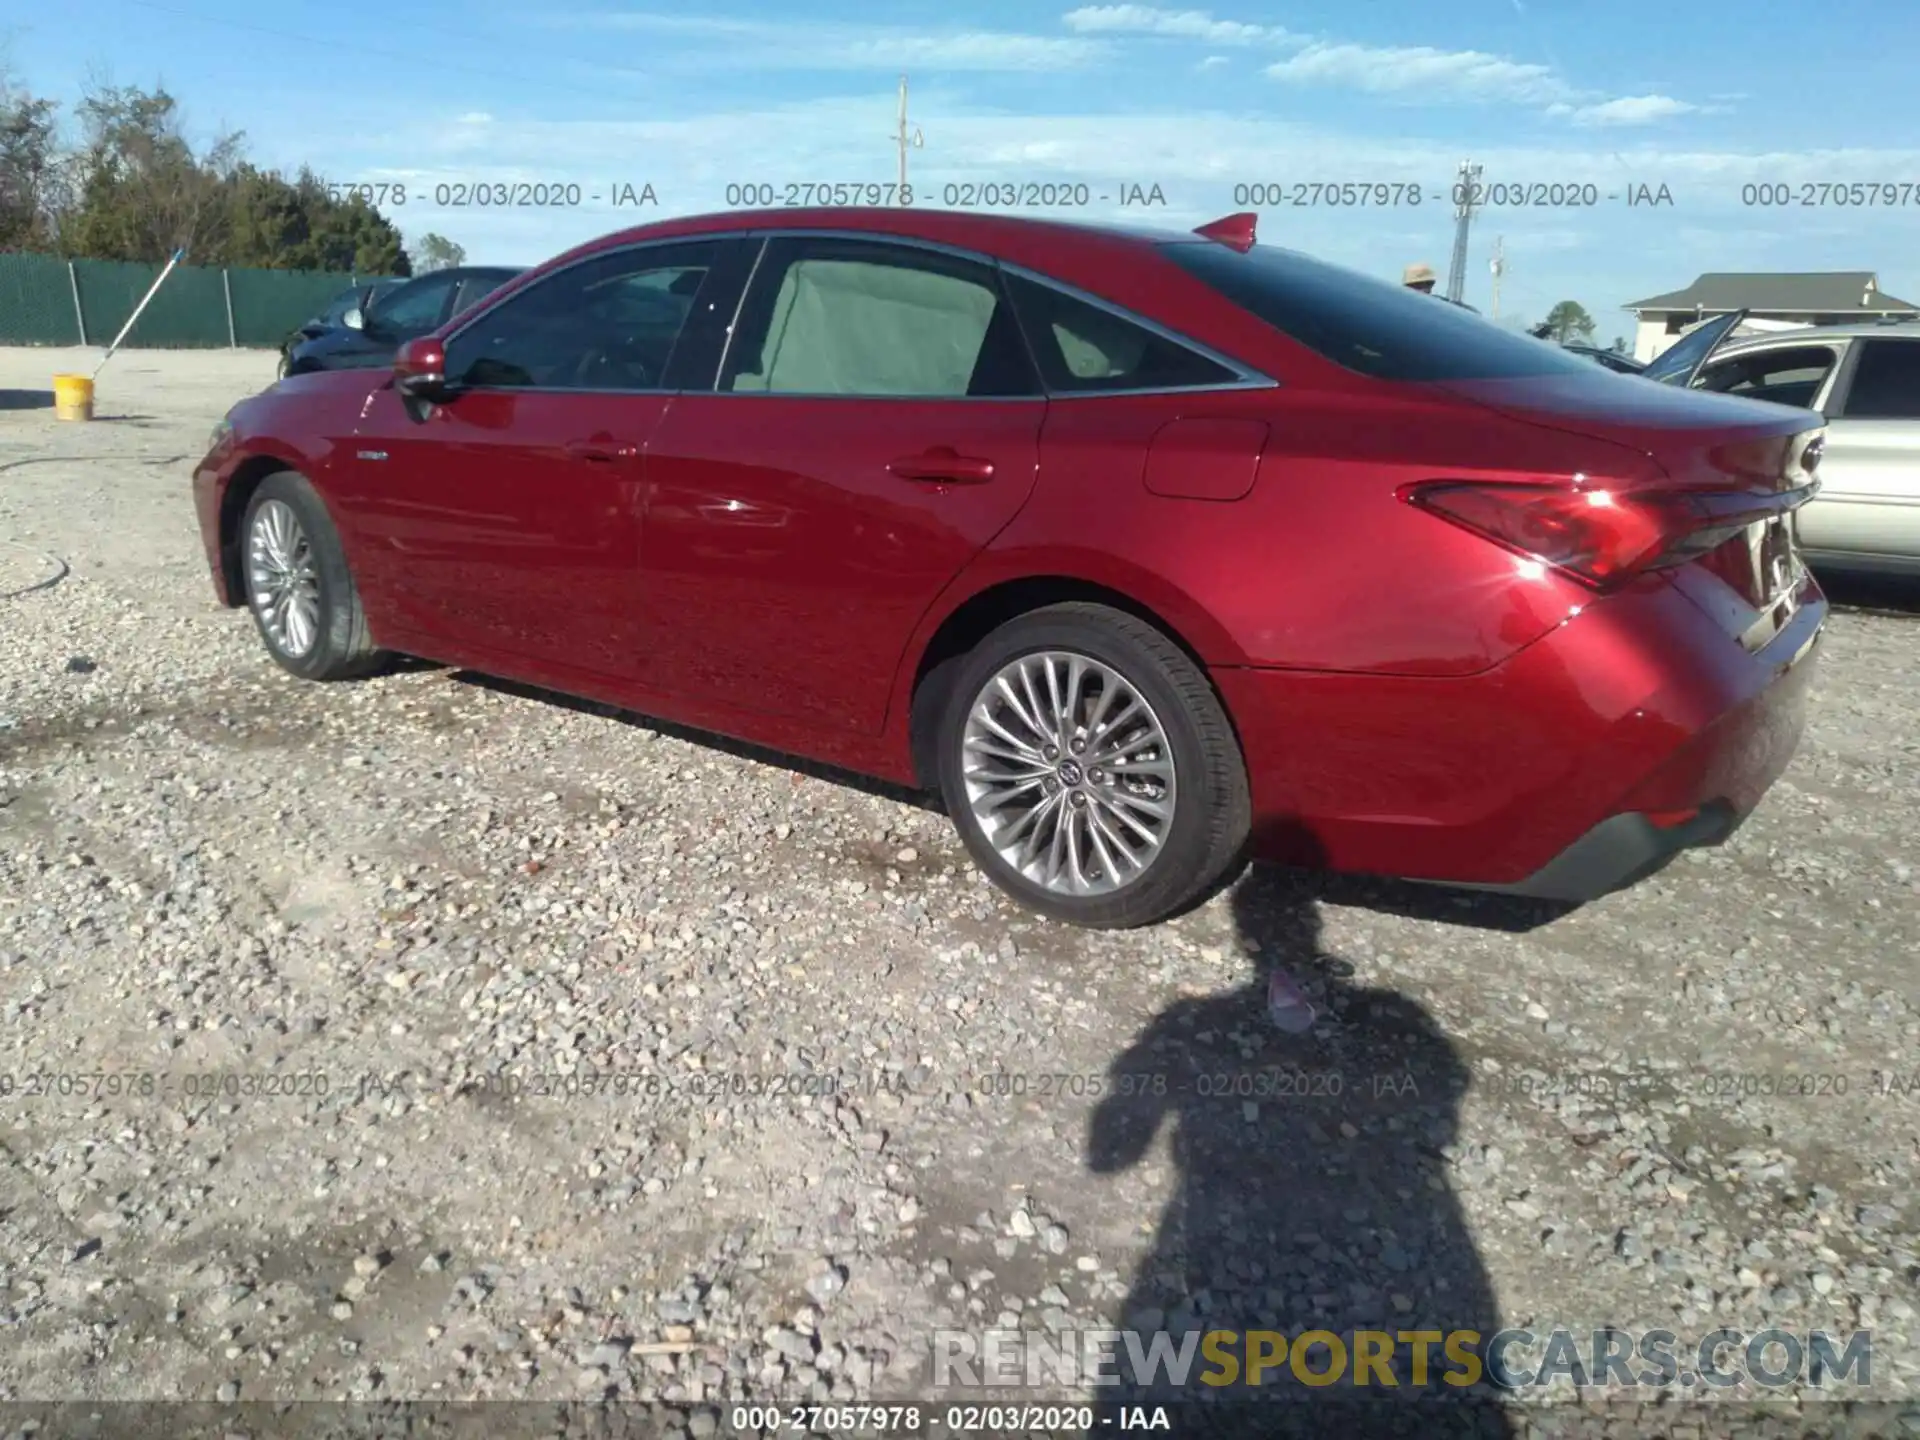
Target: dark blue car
{"points": [[365, 338]]}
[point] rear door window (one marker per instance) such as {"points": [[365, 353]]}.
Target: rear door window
{"points": [[1886, 382], [834, 317]]}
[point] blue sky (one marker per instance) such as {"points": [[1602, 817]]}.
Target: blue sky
{"points": [[1703, 98]]}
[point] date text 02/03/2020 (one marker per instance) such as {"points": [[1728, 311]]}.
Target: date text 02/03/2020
{"points": [[964, 195], [500, 194], [1389, 194]]}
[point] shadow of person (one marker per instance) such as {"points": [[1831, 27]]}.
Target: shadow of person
{"points": [[1311, 1195]]}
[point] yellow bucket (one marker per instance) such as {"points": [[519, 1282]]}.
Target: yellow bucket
{"points": [[73, 397]]}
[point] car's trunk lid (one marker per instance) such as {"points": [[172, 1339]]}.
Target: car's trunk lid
{"points": [[1738, 468]]}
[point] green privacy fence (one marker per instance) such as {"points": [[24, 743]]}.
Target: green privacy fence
{"points": [[45, 300]]}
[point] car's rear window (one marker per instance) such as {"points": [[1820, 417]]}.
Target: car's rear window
{"points": [[1369, 325]]}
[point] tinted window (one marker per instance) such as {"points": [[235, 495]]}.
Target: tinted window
{"points": [[1368, 325], [1788, 375], [1083, 347], [476, 288], [607, 324], [415, 308], [338, 307], [853, 317], [1886, 383], [1676, 364]]}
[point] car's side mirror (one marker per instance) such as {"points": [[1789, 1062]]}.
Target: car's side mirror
{"points": [[354, 319], [420, 369]]}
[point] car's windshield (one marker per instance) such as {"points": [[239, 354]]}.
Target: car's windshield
{"points": [[1379, 329]]}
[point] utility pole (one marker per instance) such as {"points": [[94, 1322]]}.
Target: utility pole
{"points": [[1498, 267], [1466, 189], [906, 139]]}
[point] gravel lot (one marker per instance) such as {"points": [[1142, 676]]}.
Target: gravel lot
{"points": [[369, 904]]}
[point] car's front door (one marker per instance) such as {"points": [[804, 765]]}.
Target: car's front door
{"points": [[1869, 499], [874, 425], [504, 521]]}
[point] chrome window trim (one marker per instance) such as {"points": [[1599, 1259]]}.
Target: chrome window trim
{"points": [[1248, 377], [484, 309]]}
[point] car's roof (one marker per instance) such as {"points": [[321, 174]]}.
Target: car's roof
{"points": [[462, 272], [926, 222], [1801, 334], [988, 232]]}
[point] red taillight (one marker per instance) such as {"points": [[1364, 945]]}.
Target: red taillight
{"points": [[1595, 534], [1600, 534]]}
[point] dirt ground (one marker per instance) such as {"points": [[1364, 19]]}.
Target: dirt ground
{"points": [[331, 962]]}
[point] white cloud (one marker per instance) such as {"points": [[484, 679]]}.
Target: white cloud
{"points": [[781, 45], [1214, 62], [1423, 72], [1186, 24], [1456, 74], [1627, 110], [1604, 254]]}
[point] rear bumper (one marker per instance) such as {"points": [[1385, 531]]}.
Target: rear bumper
{"points": [[1636, 729], [1621, 850]]}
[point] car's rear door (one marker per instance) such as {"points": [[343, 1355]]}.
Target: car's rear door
{"points": [[500, 528], [1868, 507], [874, 425]]}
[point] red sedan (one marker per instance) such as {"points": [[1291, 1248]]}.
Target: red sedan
{"points": [[1146, 550]]}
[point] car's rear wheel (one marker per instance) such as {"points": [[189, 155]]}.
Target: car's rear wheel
{"points": [[298, 586], [1091, 769]]}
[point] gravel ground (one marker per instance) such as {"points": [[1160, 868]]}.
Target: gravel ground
{"points": [[370, 907]]}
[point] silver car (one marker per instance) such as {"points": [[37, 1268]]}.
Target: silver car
{"points": [[1865, 379]]}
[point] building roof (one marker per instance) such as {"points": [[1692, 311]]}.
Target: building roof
{"points": [[1828, 292]]}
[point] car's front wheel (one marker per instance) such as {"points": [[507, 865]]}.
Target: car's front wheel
{"points": [[1090, 767], [298, 587]]}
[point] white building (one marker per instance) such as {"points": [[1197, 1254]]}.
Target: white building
{"points": [[1772, 302]]}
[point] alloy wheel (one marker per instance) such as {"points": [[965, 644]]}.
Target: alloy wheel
{"points": [[1068, 773], [282, 578]]}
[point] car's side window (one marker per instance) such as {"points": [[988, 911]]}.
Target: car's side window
{"points": [[1791, 375], [1886, 382], [417, 308], [832, 316], [1085, 348], [609, 323], [473, 290]]}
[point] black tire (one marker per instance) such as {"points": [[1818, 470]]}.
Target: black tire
{"points": [[1212, 812], [341, 647]]}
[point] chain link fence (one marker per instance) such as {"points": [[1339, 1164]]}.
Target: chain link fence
{"points": [[45, 300]]}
